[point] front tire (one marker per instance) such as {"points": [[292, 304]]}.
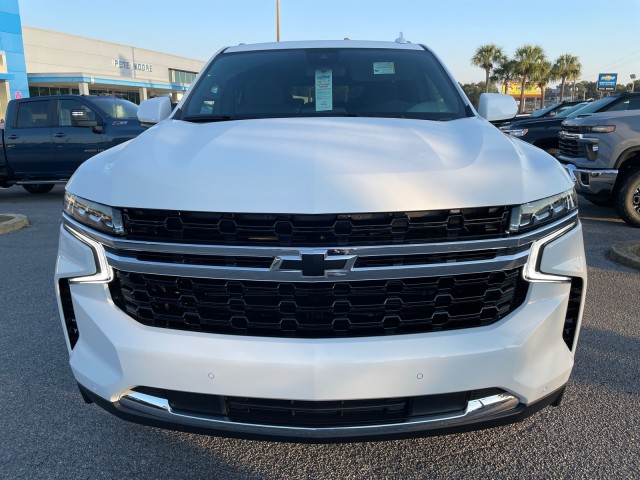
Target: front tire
{"points": [[38, 188], [628, 199]]}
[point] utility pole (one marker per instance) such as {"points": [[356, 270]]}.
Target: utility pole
{"points": [[278, 20], [633, 81]]}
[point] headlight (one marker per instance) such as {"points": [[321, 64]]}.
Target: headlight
{"points": [[599, 129], [540, 212], [95, 215], [519, 132]]}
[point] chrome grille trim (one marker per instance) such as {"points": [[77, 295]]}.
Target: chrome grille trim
{"points": [[122, 262]]}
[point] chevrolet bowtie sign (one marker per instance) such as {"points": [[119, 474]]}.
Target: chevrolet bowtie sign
{"points": [[314, 264]]}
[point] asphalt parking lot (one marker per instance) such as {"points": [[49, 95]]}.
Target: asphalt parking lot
{"points": [[46, 431]]}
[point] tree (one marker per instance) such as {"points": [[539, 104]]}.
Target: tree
{"points": [[569, 68], [485, 57], [590, 89], [505, 73], [528, 58], [543, 75], [474, 90]]}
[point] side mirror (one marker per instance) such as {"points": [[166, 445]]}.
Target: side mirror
{"points": [[154, 110], [497, 107]]}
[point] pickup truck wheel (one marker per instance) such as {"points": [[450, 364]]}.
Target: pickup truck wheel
{"points": [[38, 187], [628, 199]]}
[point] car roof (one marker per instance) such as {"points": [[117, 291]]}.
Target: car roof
{"points": [[322, 44]]}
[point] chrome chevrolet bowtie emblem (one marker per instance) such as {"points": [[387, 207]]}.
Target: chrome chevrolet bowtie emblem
{"points": [[315, 264]]}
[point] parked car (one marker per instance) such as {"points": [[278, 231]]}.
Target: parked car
{"points": [[45, 139], [555, 109], [602, 153], [541, 132], [323, 242]]}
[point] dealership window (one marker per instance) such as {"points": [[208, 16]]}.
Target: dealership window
{"points": [[38, 91], [181, 76]]}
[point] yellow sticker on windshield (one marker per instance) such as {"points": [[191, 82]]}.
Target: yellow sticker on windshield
{"points": [[384, 68]]}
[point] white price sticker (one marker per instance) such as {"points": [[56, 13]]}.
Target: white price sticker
{"points": [[324, 89], [384, 68]]}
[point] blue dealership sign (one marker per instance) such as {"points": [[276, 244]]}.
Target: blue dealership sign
{"points": [[607, 81]]}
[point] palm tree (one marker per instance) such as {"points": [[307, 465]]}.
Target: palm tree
{"points": [[543, 75], [528, 57], [485, 57], [505, 73], [568, 68]]}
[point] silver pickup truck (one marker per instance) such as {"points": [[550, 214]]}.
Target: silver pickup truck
{"points": [[602, 153]]}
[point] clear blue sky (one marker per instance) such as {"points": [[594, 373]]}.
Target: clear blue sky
{"points": [[602, 33]]}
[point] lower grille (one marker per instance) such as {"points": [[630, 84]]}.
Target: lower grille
{"points": [[319, 310], [318, 414]]}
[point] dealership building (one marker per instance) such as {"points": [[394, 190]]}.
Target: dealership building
{"points": [[36, 62]]}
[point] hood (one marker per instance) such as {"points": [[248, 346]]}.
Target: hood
{"points": [[320, 165], [602, 117], [536, 122]]}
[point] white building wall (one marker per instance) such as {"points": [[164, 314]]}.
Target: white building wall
{"points": [[55, 52]]}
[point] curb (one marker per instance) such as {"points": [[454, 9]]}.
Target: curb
{"points": [[626, 253], [10, 222]]}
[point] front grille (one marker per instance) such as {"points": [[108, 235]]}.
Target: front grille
{"points": [[314, 230], [316, 414], [569, 146], [319, 309]]}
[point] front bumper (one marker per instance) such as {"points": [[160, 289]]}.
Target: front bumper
{"points": [[490, 411], [590, 182], [524, 355]]}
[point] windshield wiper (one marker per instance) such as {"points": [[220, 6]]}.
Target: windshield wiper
{"points": [[207, 118]]}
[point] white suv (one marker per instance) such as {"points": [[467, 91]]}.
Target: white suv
{"points": [[323, 241]]}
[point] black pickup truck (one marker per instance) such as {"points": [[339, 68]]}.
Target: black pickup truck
{"points": [[45, 139]]}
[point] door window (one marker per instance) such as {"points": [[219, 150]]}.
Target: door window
{"points": [[33, 114], [73, 113]]}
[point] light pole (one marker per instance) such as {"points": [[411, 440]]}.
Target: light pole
{"points": [[278, 20], [633, 81]]}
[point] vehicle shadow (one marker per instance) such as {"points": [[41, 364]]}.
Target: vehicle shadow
{"points": [[608, 359]]}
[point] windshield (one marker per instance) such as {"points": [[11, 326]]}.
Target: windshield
{"points": [[324, 82], [542, 111], [569, 111], [116, 107], [593, 106]]}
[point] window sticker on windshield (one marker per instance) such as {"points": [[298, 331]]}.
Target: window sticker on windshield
{"points": [[384, 68], [324, 89]]}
